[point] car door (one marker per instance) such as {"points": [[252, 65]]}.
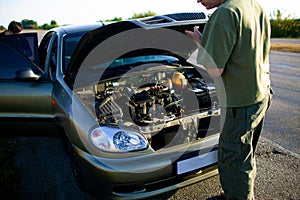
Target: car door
{"points": [[25, 95]]}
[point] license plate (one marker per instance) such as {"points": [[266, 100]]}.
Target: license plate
{"points": [[197, 162]]}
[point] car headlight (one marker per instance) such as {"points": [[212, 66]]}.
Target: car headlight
{"points": [[100, 140], [117, 140], [128, 141]]}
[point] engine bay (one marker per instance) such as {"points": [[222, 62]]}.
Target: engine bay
{"points": [[169, 105]]}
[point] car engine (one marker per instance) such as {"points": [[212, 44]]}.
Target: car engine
{"points": [[162, 102], [145, 105]]}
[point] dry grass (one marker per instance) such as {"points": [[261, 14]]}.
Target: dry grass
{"points": [[285, 47]]}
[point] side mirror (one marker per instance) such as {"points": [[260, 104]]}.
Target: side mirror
{"points": [[26, 75]]}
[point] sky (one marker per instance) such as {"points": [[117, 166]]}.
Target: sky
{"points": [[90, 11]]}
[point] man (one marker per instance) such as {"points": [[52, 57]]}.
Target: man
{"points": [[13, 28], [235, 51]]}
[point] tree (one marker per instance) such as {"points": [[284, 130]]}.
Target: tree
{"points": [[142, 15], [29, 24], [53, 24], [115, 19], [284, 27]]}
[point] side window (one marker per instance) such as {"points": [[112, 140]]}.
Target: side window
{"points": [[11, 61], [49, 52], [43, 48], [25, 43], [53, 57]]}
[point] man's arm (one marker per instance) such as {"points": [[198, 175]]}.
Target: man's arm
{"points": [[196, 36], [214, 72]]}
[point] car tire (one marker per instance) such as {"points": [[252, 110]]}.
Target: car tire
{"points": [[77, 173], [67, 146]]}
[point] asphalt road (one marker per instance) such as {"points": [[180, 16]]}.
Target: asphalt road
{"points": [[45, 170], [285, 40], [282, 121]]}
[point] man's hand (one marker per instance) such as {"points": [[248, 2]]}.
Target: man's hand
{"points": [[195, 35]]}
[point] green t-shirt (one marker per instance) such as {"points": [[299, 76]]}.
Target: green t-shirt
{"points": [[237, 38]]}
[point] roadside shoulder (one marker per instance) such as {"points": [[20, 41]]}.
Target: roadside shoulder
{"points": [[278, 172]]}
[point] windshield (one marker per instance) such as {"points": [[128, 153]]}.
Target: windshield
{"points": [[121, 66], [143, 59], [70, 41]]}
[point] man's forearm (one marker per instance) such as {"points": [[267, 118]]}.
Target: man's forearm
{"points": [[214, 72]]}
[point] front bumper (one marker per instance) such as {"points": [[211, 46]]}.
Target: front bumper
{"points": [[146, 175]]}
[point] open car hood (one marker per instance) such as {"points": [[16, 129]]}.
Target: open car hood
{"points": [[129, 39]]}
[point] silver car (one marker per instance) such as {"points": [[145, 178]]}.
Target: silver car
{"points": [[137, 115]]}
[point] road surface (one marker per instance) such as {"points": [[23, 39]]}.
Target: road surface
{"points": [[282, 122]]}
